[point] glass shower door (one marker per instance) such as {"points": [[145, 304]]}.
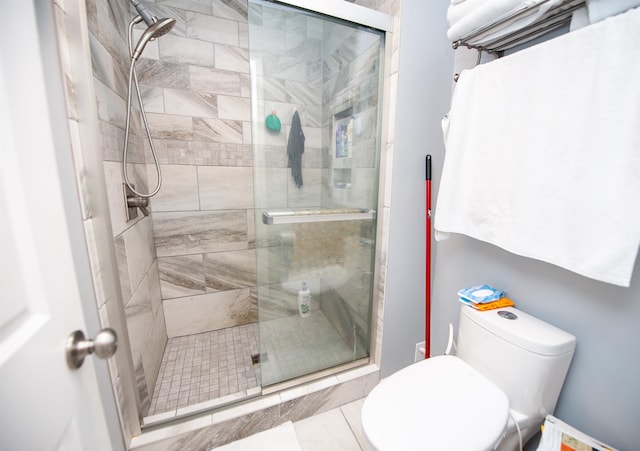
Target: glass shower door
{"points": [[316, 96]]}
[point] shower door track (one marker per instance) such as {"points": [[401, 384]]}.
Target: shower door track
{"points": [[206, 407]]}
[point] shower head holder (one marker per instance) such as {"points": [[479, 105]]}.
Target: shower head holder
{"points": [[159, 27]]}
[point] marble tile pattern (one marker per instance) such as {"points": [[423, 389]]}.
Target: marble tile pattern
{"points": [[205, 366], [211, 311], [338, 429], [294, 346], [237, 422], [345, 77], [202, 119], [134, 240], [198, 232], [209, 366], [196, 85], [327, 430], [280, 438]]}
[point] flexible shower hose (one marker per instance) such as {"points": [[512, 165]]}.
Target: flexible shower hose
{"points": [[133, 78]]}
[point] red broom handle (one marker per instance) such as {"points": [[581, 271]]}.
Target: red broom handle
{"points": [[427, 338]]}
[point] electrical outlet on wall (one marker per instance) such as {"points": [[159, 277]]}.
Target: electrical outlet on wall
{"points": [[419, 352]]}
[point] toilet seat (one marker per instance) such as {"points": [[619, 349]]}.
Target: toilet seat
{"points": [[440, 403]]}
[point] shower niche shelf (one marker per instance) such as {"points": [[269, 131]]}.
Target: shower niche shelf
{"points": [[342, 149]]}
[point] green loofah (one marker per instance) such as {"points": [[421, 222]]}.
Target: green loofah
{"points": [[273, 122]]}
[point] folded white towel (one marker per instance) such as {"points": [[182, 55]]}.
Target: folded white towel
{"points": [[471, 15], [543, 152], [458, 11]]}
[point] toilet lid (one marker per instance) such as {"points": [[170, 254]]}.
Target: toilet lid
{"points": [[440, 403]]}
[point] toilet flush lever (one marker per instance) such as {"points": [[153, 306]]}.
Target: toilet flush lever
{"points": [[78, 347]]}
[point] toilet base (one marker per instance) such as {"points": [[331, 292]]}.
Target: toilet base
{"points": [[529, 426]]}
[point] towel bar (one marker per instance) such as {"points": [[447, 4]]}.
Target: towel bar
{"points": [[319, 215], [554, 18]]}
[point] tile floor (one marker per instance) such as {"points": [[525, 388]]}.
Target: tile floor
{"points": [[336, 430], [217, 364], [201, 367], [294, 346]]}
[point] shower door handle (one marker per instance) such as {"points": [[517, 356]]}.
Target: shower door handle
{"points": [[78, 347], [302, 216]]}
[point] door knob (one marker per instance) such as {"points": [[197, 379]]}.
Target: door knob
{"points": [[78, 347]]}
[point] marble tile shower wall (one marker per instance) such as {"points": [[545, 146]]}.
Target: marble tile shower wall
{"points": [[201, 117], [287, 53], [351, 82], [318, 69], [134, 242], [196, 87]]}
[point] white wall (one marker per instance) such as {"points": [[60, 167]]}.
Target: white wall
{"points": [[601, 394]]}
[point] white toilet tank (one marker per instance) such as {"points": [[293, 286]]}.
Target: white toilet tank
{"points": [[524, 356]]}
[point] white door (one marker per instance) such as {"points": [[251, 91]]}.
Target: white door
{"points": [[45, 405]]}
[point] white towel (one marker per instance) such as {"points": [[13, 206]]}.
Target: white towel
{"points": [[543, 152], [471, 15], [458, 11]]}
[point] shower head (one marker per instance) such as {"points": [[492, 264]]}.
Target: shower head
{"points": [[156, 27]]}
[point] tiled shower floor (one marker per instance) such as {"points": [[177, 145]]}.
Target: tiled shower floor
{"points": [[295, 346], [201, 367], [212, 365]]}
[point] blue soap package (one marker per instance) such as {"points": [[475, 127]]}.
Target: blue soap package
{"points": [[481, 294]]}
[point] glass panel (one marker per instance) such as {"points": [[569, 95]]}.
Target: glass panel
{"points": [[316, 91]]}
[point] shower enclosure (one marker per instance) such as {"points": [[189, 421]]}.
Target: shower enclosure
{"points": [[209, 280], [315, 197]]}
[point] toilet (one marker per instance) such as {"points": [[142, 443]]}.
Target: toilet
{"points": [[494, 394]]}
